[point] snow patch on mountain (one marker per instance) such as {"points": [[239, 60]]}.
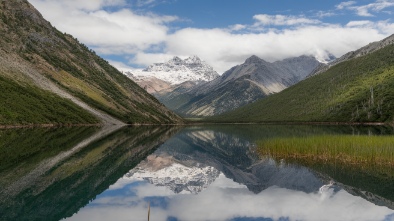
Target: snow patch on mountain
{"points": [[325, 57], [177, 71], [177, 177]]}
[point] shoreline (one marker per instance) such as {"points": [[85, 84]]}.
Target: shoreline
{"points": [[191, 123], [81, 125], [47, 126], [292, 123]]}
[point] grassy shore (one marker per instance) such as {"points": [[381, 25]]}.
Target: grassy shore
{"points": [[350, 149], [359, 161]]}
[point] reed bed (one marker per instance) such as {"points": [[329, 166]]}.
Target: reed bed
{"points": [[349, 149]]}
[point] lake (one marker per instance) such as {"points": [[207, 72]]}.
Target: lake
{"points": [[211, 172]]}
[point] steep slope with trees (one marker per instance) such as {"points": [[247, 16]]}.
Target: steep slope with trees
{"points": [[36, 54], [355, 90]]}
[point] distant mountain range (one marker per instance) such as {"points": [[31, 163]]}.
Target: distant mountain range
{"points": [[163, 76], [177, 176], [240, 161], [204, 148], [241, 85], [358, 87], [372, 47], [48, 77]]}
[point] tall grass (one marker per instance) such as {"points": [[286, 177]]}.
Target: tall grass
{"points": [[351, 149]]}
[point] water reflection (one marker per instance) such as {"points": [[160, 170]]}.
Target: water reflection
{"points": [[180, 178], [219, 165], [227, 200], [63, 169], [200, 173]]}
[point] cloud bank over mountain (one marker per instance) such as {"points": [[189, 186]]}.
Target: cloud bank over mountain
{"points": [[132, 36]]}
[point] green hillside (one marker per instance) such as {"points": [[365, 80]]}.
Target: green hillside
{"points": [[30, 44], [26, 104], [357, 90], [69, 184]]}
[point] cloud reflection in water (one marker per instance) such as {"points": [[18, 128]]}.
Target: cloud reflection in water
{"points": [[226, 200]]}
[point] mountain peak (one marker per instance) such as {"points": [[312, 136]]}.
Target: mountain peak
{"points": [[253, 59], [177, 71], [176, 59], [325, 58], [175, 176], [193, 59]]}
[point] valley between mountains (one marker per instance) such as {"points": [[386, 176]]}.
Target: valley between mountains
{"points": [[50, 78], [355, 88], [202, 95]]}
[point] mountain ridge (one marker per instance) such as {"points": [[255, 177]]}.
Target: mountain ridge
{"points": [[357, 90], [55, 62], [176, 71], [370, 48], [240, 85]]}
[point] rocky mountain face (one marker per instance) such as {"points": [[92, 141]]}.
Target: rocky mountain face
{"points": [[150, 84], [356, 88], [193, 147], [36, 54], [164, 76], [241, 85], [368, 49], [232, 152], [192, 160], [178, 177]]}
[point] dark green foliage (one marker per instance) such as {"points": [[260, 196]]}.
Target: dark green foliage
{"points": [[74, 182], [74, 67], [30, 146], [26, 104], [358, 90]]}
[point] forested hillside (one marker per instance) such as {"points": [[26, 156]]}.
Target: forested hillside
{"points": [[357, 90], [35, 54]]}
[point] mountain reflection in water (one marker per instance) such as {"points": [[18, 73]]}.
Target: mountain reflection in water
{"points": [[219, 165], [191, 173], [49, 174]]}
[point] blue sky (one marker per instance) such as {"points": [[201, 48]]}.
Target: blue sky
{"points": [[221, 14], [136, 33]]}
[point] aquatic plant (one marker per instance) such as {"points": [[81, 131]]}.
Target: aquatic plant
{"points": [[351, 149]]}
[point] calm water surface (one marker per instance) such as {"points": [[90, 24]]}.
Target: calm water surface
{"points": [[192, 173]]}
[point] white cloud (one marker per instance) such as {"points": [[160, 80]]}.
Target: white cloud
{"points": [[148, 39], [366, 10], [145, 2], [226, 200], [364, 23], [223, 49], [386, 27], [121, 66], [323, 14], [264, 19], [75, 4], [344, 5], [237, 27], [146, 59], [118, 32]]}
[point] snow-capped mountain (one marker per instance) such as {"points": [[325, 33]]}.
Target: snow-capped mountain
{"points": [[325, 57], [176, 71], [368, 49], [180, 178], [239, 86]]}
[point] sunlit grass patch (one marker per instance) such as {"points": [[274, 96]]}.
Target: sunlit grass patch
{"points": [[352, 149]]}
